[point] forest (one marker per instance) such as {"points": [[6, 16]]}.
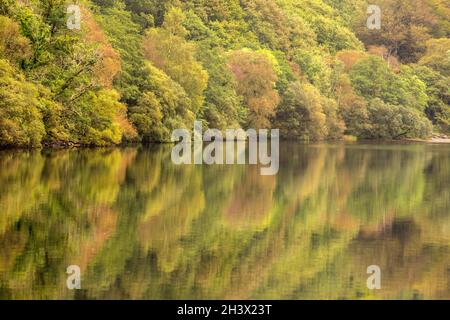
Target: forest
{"points": [[138, 69]]}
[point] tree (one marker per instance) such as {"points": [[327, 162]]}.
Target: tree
{"points": [[13, 46], [108, 65], [147, 116], [316, 67], [406, 25], [98, 119], [20, 120], [167, 49], [437, 56], [372, 78], [301, 114], [438, 107], [143, 12], [124, 36], [396, 122], [223, 107], [256, 79], [269, 23], [352, 108], [441, 9], [335, 124], [160, 64], [164, 108], [350, 57]]}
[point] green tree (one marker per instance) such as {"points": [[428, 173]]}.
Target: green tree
{"points": [[438, 107], [20, 118], [164, 108], [372, 78], [223, 107], [301, 114], [396, 122], [168, 50]]}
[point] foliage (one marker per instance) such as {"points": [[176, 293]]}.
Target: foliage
{"points": [[20, 120], [164, 108], [372, 78], [395, 122], [236, 235], [167, 49], [438, 107], [301, 113], [139, 69], [256, 78], [406, 26], [13, 46], [437, 56]]}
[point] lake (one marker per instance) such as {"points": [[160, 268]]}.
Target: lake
{"points": [[140, 227]]}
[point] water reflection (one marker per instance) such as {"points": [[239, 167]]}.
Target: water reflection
{"points": [[140, 227]]}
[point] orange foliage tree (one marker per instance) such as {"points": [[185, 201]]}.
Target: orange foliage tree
{"points": [[256, 77]]}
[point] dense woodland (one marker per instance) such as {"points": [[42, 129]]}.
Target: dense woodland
{"points": [[138, 69]]}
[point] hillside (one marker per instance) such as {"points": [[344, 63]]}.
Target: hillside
{"points": [[138, 69]]}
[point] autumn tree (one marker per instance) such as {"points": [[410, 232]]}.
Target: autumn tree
{"points": [[256, 78], [108, 65], [405, 26], [352, 108], [350, 57], [13, 46]]}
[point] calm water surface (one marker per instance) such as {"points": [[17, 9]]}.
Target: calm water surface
{"points": [[140, 227]]}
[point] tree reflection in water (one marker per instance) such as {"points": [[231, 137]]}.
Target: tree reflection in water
{"points": [[140, 227]]}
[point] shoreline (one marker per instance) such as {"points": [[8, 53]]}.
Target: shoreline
{"points": [[440, 140], [59, 146], [434, 140]]}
